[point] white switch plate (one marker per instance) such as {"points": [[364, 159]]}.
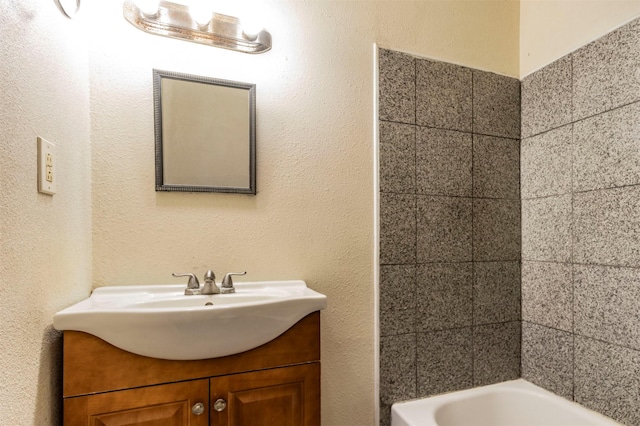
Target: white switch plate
{"points": [[46, 167]]}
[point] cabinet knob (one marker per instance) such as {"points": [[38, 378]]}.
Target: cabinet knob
{"points": [[220, 405], [198, 408]]}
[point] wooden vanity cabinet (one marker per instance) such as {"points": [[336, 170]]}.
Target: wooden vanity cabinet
{"points": [[282, 396], [166, 405], [275, 384]]}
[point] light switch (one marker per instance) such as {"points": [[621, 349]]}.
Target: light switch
{"points": [[46, 167]]}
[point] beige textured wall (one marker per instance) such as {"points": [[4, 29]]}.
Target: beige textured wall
{"points": [[482, 34], [45, 242], [551, 29]]}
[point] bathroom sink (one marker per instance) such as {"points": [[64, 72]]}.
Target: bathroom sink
{"points": [[159, 321]]}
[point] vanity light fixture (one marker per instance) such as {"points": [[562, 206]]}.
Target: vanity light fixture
{"points": [[165, 18]]}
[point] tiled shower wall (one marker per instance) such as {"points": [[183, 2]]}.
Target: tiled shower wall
{"points": [[581, 225], [449, 228]]}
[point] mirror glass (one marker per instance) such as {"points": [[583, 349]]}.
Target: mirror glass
{"points": [[205, 134]]}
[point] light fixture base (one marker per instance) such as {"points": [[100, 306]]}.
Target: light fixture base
{"points": [[174, 20]]}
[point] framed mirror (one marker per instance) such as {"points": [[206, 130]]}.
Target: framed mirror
{"points": [[205, 134]]}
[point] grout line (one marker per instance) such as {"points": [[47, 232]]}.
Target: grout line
{"points": [[430, 263], [584, 336], [549, 130], [571, 84], [464, 327], [573, 294], [574, 121], [569, 263], [546, 326], [449, 196], [571, 246], [415, 209], [473, 263], [520, 199], [462, 262], [583, 191], [416, 393], [449, 129], [544, 197]]}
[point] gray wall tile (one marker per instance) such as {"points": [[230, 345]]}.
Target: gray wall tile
{"points": [[445, 362], [607, 226], [605, 72], [496, 229], [597, 223], [397, 368], [606, 149], [607, 379], [427, 228], [444, 294], [444, 229], [397, 87], [496, 167], [496, 349], [443, 95], [443, 162], [397, 299], [607, 303], [397, 157], [496, 292], [546, 98], [546, 163], [546, 229], [397, 228], [496, 105], [385, 414], [547, 358], [547, 294]]}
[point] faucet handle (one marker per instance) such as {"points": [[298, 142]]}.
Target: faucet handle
{"points": [[227, 282], [193, 285]]}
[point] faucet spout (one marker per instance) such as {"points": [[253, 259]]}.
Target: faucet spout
{"points": [[210, 286]]}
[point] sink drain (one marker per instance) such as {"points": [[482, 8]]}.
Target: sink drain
{"points": [[208, 304]]}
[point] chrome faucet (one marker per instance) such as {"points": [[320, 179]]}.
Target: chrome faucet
{"points": [[193, 285], [209, 287], [227, 282]]}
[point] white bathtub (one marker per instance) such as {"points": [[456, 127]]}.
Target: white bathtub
{"points": [[513, 403]]}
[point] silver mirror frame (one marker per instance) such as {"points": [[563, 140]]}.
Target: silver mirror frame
{"points": [[158, 75]]}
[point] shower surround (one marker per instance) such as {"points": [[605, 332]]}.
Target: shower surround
{"points": [[581, 225], [462, 202], [449, 228]]}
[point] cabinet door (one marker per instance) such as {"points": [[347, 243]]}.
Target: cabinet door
{"points": [[288, 396], [163, 405]]}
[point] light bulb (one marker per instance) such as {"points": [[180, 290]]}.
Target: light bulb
{"points": [[251, 24], [201, 12], [147, 7], [227, 7]]}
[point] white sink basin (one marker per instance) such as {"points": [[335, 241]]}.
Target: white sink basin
{"points": [[159, 321]]}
